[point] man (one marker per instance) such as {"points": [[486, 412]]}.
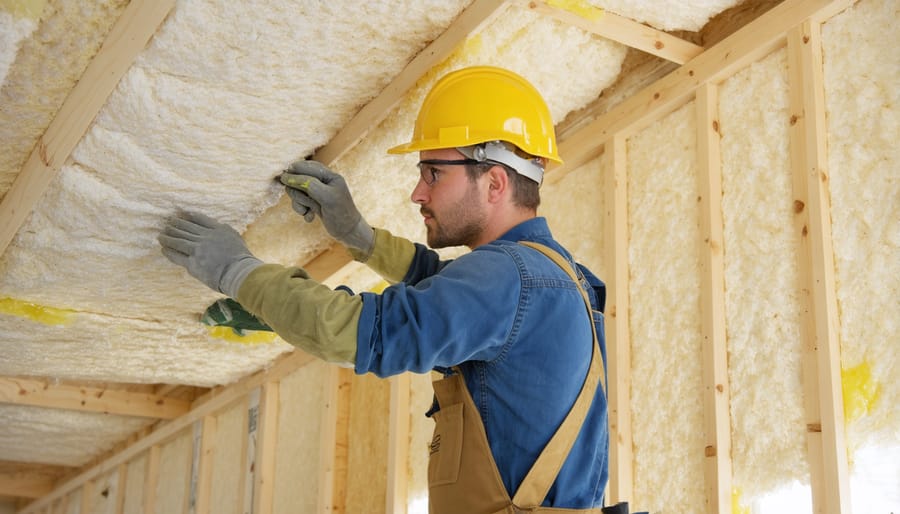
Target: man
{"points": [[509, 327]]}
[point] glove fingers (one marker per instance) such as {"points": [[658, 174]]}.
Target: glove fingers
{"points": [[176, 244], [175, 256], [303, 204], [314, 169], [176, 232]]}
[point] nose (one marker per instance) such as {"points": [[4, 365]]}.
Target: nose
{"points": [[420, 192]]}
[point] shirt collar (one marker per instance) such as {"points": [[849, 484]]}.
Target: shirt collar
{"points": [[529, 230]]}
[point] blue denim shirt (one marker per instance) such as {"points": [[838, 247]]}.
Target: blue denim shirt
{"points": [[516, 325]]}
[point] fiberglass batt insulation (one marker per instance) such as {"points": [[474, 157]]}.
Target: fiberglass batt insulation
{"points": [[90, 244], [49, 62], [301, 399], [77, 436], [762, 301], [862, 73], [667, 406]]}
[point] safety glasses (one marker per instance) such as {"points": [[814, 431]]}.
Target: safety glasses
{"points": [[430, 174]]}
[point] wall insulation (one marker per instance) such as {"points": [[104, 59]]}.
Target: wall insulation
{"points": [[761, 279], [228, 463], [862, 71], [174, 474], [299, 439], [665, 331], [574, 207]]}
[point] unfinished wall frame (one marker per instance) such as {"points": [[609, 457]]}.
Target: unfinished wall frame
{"points": [[795, 24]]}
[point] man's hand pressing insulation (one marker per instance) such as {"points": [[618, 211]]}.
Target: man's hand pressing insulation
{"points": [[212, 252], [315, 190], [302, 311]]}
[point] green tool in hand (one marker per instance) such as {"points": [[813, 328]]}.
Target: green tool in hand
{"points": [[229, 313]]}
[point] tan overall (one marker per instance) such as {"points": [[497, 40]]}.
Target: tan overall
{"points": [[462, 474]]}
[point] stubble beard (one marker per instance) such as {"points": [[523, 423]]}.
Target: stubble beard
{"points": [[460, 225]]}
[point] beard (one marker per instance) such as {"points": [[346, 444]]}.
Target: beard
{"points": [[461, 224]]}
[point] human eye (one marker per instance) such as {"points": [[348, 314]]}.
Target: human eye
{"points": [[429, 173], [435, 173]]}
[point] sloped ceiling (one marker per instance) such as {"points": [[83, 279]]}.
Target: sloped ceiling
{"points": [[223, 97]]}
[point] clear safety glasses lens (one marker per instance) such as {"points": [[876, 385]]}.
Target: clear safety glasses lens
{"points": [[430, 174]]}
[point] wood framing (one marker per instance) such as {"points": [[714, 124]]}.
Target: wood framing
{"points": [[618, 339], [151, 480], [716, 391], [33, 481], [126, 39], [621, 30], [714, 65], [398, 446], [267, 437], [43, 393], [210, 403], [202, 493], [333, 452], [794, 22], [826, 442]]}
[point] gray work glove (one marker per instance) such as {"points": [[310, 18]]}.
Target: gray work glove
{"points": [[212, 252], [315, 190]]}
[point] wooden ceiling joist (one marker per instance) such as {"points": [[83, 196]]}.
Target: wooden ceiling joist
{"points": [[210, 403], [125, 40], [715, 64], [19, 480], [44, 393], [622, 30]]}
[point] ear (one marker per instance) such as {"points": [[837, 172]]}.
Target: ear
{"points": [[498, 183]]}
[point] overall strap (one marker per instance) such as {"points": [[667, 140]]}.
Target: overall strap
{"points": [[537, 482]]}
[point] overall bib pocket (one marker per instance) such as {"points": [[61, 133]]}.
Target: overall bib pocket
{"points": [[446, 446]]}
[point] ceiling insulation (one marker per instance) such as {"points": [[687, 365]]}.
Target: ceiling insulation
{"points": [[222, 99]]}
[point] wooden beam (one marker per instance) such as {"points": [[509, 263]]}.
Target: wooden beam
{"points": [[716, 391], [470, 21], [824, 407], [24, 483], [151, 480], [87, 493], [333, 448], [248, 450], [618, 339], [267, 439], [127, 38], [397, 498], [43, 393], [210, 403], [121, 483], [202, 491], [715, 64], [621, 30]]}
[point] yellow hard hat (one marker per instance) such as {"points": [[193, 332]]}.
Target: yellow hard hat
{"points": [[481, 104]]}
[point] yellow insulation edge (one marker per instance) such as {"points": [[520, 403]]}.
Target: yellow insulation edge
{"points": [[860, 391], [578, 7], [736, 506], [23, 8], [249, 337], [35, 312]]}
